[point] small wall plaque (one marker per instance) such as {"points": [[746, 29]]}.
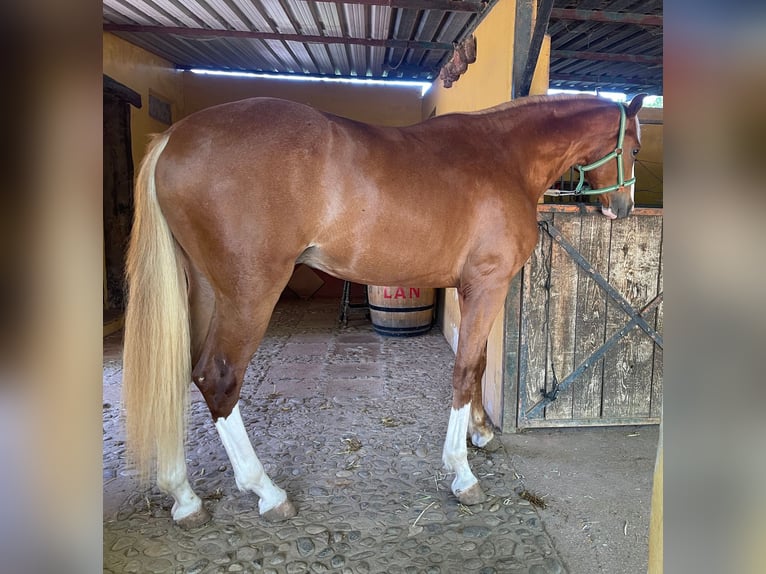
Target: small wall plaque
{"points": [[160, 110]]}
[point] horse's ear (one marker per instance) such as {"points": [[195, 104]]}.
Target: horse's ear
{"points": [[635, 105]]}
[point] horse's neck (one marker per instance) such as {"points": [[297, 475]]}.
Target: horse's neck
{"points": [[557, 142]]}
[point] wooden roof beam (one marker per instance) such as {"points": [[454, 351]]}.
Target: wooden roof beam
{"points": [[602, 16], [605, 80], [606, 57]]}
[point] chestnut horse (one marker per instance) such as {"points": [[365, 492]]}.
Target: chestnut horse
{"points": [[229, 199]]}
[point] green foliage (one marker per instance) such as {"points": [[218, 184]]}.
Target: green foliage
{"points": [[653, 102]]}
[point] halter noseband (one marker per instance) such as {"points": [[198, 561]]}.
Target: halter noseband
{"points": [[616, 153]]}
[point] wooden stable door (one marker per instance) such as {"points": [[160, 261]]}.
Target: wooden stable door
{"points": [[583, 323]]}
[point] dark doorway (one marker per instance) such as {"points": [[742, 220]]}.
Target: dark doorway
{"points": [[118, 192]]}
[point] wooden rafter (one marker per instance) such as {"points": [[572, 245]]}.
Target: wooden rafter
{"points": [[602, 16], [541, 26], [606, 80], [606, 57]]}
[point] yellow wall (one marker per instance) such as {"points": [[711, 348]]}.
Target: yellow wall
{"points": [[373, 103], [649, 175], [541, 77], [143, 72], [487, 81]]}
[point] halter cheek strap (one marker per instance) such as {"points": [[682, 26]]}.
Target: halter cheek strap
{"points": [[616, 153]]}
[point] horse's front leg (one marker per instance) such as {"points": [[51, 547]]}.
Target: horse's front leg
{"points": [[479, 429], [478, 307]]}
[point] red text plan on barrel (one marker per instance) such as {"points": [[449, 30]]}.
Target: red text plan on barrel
{"points": [[401, 293]]}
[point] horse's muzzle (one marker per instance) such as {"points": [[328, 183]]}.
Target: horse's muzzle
{"points": [[620, 206]]}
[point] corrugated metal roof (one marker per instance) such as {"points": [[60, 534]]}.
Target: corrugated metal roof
{"points": [[612, 45], [363, 38]]}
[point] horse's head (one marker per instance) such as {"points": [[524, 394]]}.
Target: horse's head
{"points": [[611, 176]]}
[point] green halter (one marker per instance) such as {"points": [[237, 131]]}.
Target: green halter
{"points": [[617, 153]]}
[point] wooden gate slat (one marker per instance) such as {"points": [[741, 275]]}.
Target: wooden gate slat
{"points": [[534, 333], [563, 313], [633, 271], [591, 316], [657, 373]]}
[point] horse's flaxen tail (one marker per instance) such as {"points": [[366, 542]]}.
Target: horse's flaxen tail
{"points": [[157, 356]]}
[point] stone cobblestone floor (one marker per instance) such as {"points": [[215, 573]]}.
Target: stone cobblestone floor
{"points": [[351, 425]]}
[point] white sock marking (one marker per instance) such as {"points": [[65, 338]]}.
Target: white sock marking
{"points": [[186, 502], [172, 479], [248, 470], [455, 453]]}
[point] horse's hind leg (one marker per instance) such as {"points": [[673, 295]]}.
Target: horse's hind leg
{"points": [[172, 479], [248, 470], [236, 330], [188, 511]]}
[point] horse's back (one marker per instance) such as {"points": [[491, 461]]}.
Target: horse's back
{"points": [[271, 176]]}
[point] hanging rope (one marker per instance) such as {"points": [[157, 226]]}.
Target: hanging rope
{"points": [[552, 394]]}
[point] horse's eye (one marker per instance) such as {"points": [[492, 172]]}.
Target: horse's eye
{"points": [[635, 152]]}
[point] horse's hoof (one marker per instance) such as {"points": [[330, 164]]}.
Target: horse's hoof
{"points": [[281, 512], [195, 519], [472, 495]]}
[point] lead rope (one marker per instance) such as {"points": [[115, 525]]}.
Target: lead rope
{"points": [[553, 393]]}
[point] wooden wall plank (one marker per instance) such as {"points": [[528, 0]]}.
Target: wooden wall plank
{"points": [[512, 339], [633, 271], [595, 234], [492, 381], [562, 313], [534, 336], [657, 374]]}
